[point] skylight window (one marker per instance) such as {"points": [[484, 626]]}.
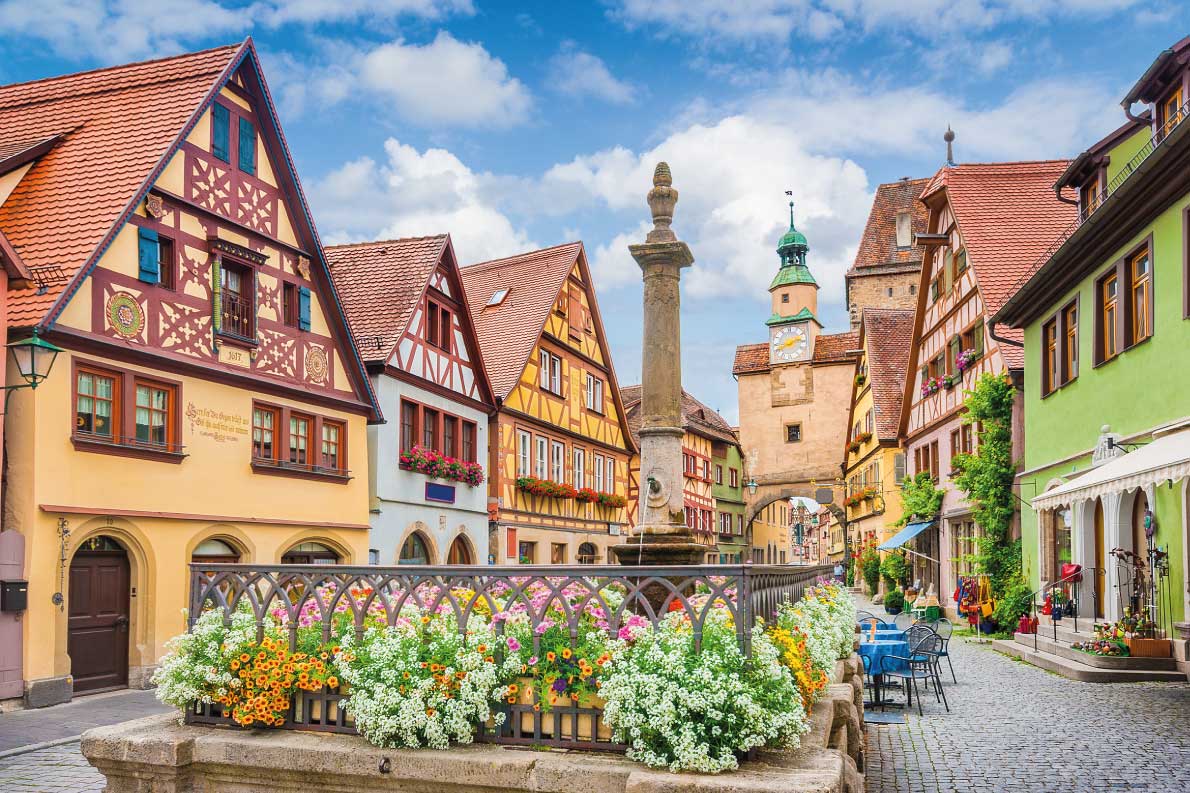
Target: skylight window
{"points": [[497, 297]]}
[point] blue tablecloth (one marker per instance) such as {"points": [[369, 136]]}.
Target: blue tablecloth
{"points": [[889, 634], [882, 648]]}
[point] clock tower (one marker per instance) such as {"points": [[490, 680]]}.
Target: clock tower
{"points": [[793, 325]]}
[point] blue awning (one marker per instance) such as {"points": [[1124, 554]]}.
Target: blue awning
{"points": [[906, 534]]}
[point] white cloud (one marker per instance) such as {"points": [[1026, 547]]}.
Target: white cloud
{"points": [[445, 82], [581, 74], [714, 20], [415, 193], [118, 31]]}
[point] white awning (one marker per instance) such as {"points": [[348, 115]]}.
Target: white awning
{"points": [[1167, 457]]}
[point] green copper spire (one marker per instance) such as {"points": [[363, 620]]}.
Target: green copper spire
{"points": [[792, 249]]}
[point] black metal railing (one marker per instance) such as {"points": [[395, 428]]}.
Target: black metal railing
{"points": [[1070, 585], [320, 595]]}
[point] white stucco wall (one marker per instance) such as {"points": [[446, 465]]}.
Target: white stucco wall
{"points": [[399, 506]]}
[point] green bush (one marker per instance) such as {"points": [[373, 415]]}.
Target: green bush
{"points": [[895, 569], [894, 601], [869, 565], [1017, 600]]}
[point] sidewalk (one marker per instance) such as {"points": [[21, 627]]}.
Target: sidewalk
{"points": [[25, 729]]}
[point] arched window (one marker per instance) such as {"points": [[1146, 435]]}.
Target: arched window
{"points": [[586, 553], [414, 550], [215, 551], [1140, 543], [310, 553], [460, 552]]}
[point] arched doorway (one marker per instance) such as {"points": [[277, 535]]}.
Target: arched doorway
{"points": [[586, 553], [215, 551], [414, 550], [460, 551], [1140, 543], [97, 623], [1100, 561], [310, 553]]}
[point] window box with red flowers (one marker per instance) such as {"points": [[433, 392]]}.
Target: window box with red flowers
{"points": [[440, 466], [931, 386], [544, 487], [613, 500]]}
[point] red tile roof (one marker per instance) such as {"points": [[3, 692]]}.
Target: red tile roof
{"points": [[380, 284], [751, 358], [1008, 216], [119, 122], [509, 331], [836, 347], [696, 417], [887, 335], [879, 244]]}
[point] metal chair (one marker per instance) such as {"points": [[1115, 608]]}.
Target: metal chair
{"points": [[867, 621], [861, 616], [945, 629], [903, 620], [920, 664]]}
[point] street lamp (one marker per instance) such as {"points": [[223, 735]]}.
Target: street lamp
{"points": [[752, 486], [34, 358]]}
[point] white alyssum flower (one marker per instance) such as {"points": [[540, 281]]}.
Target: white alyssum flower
{"points": [[195, 667]]}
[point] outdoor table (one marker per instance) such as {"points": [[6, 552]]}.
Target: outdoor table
{"points": [[877, 650]]}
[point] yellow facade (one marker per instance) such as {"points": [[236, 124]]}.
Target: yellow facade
{"points": [[592, 444], [157, 502], [772, 542], [872, 494]]}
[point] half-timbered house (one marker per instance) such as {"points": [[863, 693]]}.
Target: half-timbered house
{"points": [[209, 403], [409, 316], [559, 449], [987, 225]]}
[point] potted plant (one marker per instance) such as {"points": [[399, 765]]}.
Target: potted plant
{"points": [[860, 379], [894, 601], [964, 360]]}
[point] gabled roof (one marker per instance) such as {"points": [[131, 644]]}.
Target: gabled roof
{"points": [[509, 331], [382, 283], [696, 417], [123, 121], [510, 328], [16, 152], [887, 335], [1008, 216], [878, 246], [1164, 66], [751, 358], [836, 347], [123, 125]]}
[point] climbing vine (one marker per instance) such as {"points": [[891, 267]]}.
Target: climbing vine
{"points": [[920, 499], [986, 477]]}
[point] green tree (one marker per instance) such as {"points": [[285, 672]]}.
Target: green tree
{"points": [[986, 477], [920, 500]]}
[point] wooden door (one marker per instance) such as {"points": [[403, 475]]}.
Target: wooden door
{"points": [[1100, 560], [98, 619]]}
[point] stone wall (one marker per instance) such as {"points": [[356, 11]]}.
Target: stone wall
{"points": [[870, 290], [159, 755]]}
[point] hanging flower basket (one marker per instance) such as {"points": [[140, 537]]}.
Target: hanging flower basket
{"points": [[439, 466], [544, 487]]}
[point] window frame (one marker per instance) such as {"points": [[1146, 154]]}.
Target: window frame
{"points": [[549, 379], [557, 461], [541, 462], [250, 270], [594, 393], [1121, 270], [524, 453], [290, 304], [797, 427], [578, 467], [314, 467], [124, 384]]}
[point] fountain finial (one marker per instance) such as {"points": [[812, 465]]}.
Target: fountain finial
{"points": [[661, 203]]}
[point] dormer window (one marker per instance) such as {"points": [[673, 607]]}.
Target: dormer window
{"points": [[497, 297], [904, 229], [1089, 196], [1170, 112]]}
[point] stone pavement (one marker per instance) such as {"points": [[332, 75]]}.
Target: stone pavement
{"points": [[1013, 727], [60, 767]]}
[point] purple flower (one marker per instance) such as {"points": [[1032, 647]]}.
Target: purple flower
{"points": [[559, 685], [513, 644]]}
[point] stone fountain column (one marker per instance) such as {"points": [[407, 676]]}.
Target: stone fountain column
{"points": [[661, 537]]}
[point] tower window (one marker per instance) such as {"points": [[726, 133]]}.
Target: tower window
{"points": [[913, 289], [890, 291], [784, 297], [793, 433]]}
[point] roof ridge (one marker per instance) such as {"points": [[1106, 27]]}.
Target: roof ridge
{"points": [[897, 182], [389, 241], [478, 265], [117, 66], [1009, 163]]}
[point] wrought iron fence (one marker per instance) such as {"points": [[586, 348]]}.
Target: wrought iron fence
{"points": [[314, 595]]}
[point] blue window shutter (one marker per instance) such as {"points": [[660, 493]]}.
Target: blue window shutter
{"points": [[247, 146], [304, 308], [149, 256], [221, 132]]}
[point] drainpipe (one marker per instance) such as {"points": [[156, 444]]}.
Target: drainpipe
{"points": [[1128, 112], [1001, 339]]}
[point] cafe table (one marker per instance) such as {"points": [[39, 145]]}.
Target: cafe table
{"points": [[875, 652]]}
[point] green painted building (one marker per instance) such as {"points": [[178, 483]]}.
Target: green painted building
{"points": [[728, 490], [1106, 319]]}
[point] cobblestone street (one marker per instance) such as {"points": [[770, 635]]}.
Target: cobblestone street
{"points": [[1013, 727]]}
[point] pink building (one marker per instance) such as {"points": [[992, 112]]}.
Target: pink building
{"points": [[988, 225]]}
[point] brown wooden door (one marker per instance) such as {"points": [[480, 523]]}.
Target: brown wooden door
{"points": [[98, 623], [1100, 560]]}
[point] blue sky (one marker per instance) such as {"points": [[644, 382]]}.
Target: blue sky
{"points": [[518, 125]]}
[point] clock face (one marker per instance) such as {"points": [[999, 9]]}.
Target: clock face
{"points": [[790, 343]]}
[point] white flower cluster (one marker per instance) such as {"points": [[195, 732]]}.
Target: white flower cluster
{"points": [[826, 615], [195, 666], [695, 710], [414, 684]]}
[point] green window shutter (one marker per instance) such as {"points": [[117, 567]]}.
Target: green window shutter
{"points": [[217, 294], [221, 132], [247, 146], [304, 308], [148, 255], [977, 332]]}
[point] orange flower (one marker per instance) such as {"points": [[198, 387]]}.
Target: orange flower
{"points": [[550, 656], [566, 653]]}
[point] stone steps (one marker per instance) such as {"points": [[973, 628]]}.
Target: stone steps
{"points": [[1078, 669], [1064, 650]]}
